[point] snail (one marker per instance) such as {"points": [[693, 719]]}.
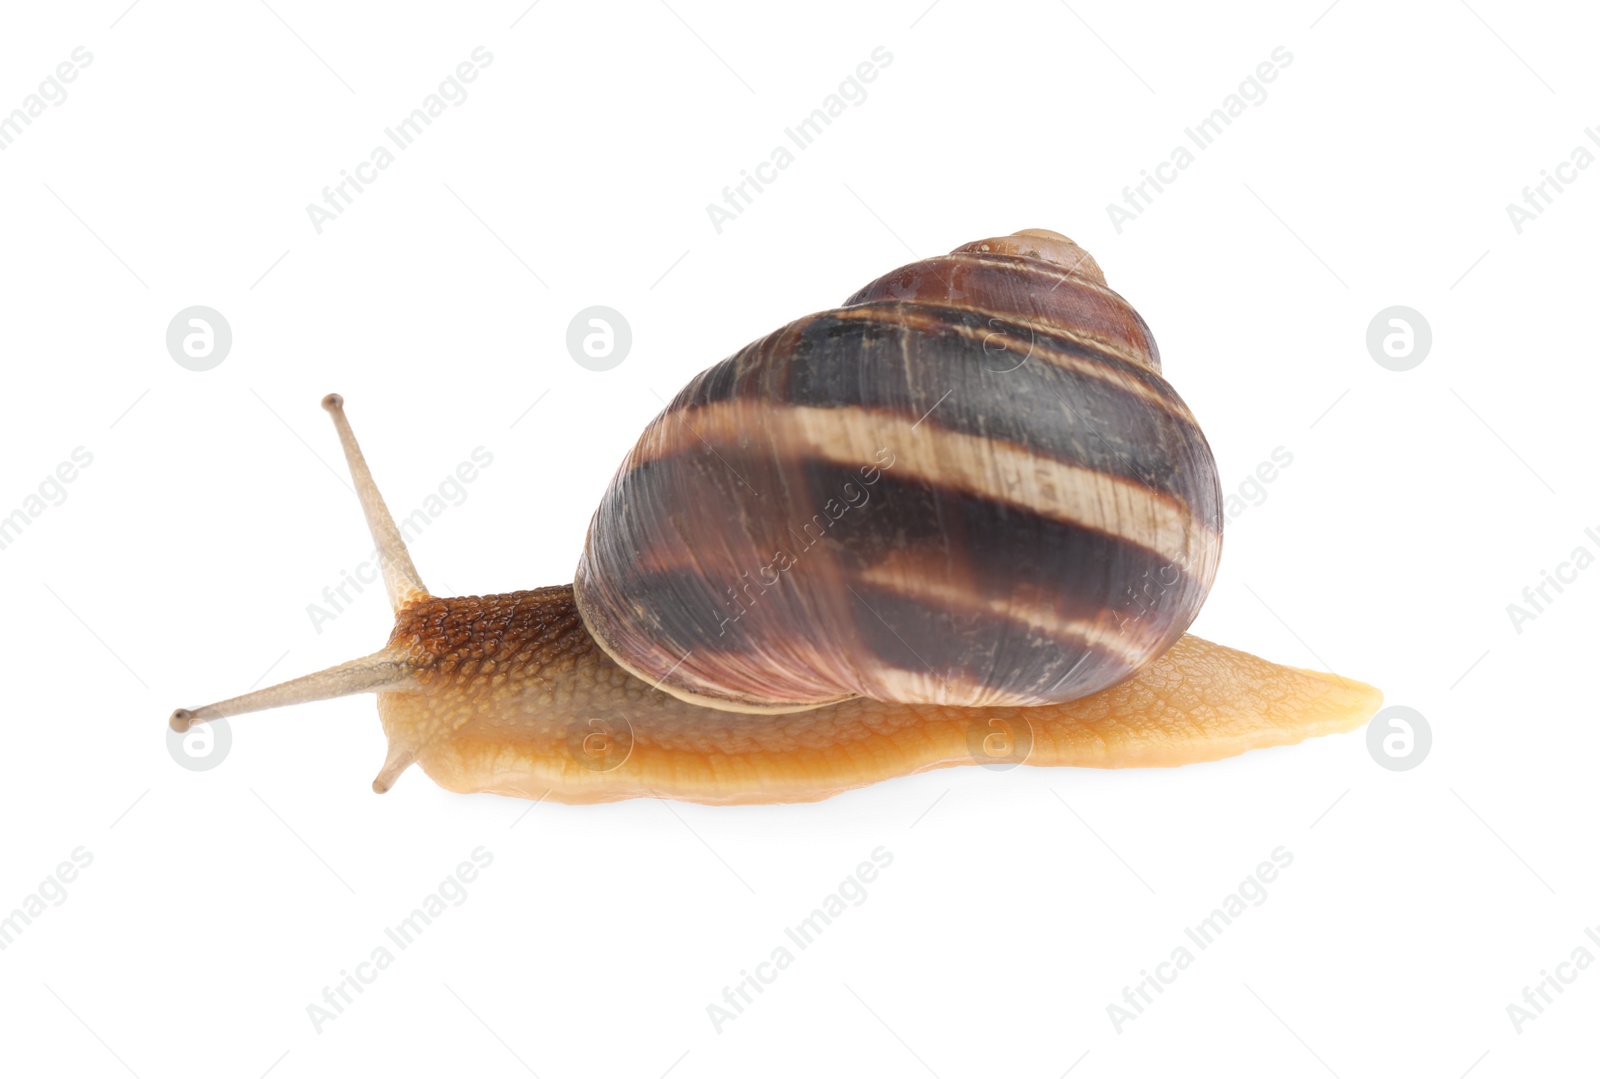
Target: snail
{"points": [[961, 518]]}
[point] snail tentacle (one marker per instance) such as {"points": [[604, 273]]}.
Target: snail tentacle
{"points": [[400, 577], [384, 671]]}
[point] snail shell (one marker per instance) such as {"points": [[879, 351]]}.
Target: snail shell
{"points": [[969, 484]]}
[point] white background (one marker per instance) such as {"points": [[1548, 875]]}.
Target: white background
{"points": [[179, 568]]}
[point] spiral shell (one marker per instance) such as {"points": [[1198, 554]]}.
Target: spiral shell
{"points": [[969, 484]]}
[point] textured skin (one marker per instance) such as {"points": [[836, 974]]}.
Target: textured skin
{"points": [[503, 682]]}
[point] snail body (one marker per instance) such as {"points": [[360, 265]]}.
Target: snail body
{"points": [[961, 518]]}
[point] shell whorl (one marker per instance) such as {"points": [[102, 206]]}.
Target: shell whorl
{"points": [[969, 484]]}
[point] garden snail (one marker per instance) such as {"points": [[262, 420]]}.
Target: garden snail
{"points": [[962, 517]]}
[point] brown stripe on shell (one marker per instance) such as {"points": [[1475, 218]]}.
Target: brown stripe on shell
{"points": [[917, 580], [941, 647], [931, 374], [990, 468], [912, 619], [1090, 358], [913, 574]]}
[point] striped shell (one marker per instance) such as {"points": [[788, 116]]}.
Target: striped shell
{"points": [[968, 485]]}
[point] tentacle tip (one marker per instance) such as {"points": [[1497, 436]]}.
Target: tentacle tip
{"points": [[333, 402], [181, 720]]}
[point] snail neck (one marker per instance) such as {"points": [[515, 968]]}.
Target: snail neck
{"points": [[452, 640]]}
